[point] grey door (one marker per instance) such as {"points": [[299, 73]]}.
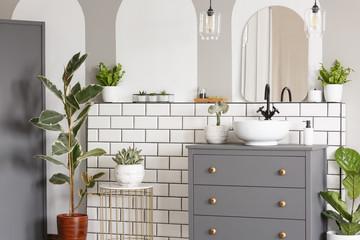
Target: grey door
{"points": [[22, 178]]}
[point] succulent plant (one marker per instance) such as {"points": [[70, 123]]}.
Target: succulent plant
{"points": [[131, 156], [142, 93], [218, 108], [163, 92], [153, 94]]}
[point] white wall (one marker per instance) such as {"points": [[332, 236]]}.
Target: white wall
{"points": [[242, 12], [156, 41], [64, 36]]}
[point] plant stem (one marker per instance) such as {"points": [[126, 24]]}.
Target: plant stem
{"points": [[218, 119], [71, 209]]}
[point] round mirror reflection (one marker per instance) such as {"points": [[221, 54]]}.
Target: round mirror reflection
{"points": [[275, 52]]}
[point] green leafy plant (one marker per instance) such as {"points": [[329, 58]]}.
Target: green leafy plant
{"points": [[153, 94], [349, 161], [218, 108], [337, 74], [163, 92], [109, 78], [74, 99], [142, 93], [131, 156]]}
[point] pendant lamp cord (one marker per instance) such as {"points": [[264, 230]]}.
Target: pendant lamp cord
{"points": [[210, 3]]}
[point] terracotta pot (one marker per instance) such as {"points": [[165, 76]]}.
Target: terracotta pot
{"points": [[72, 228]]}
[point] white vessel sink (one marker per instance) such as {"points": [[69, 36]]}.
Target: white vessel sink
{"points": [[261, 132]]}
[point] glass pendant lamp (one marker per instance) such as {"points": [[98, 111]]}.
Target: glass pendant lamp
{"points": [[210, 24], [314, 21]]}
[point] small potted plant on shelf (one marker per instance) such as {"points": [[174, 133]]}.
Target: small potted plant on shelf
{"points": [[142, 96], [153, 97], [129, 171], [348, 223], [333, 81], [74, 99], [163, 97], [218, 133], [110, 80]]}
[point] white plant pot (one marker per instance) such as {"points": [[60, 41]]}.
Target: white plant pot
{"points": [[111, 94], [216, 134], [333, 92], [153, 98], [129, 175], [163, 98], [336, 235], [142, 98]]}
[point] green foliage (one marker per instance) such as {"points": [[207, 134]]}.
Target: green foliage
{"points": [[337, 74], [73, 99], [128, 157], [163, 92], [142, 93], [218, 108], [153, 94], [349, 161], [109, 78]]}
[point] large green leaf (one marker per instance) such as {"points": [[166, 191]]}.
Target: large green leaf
{"points": [[85, 111], [50, 127], [85, 178], [76, 88], [58, 148], [98, 175], [78, 125], [349, 228], [64, 138], [333, 198], [51, 87], [73, 65], [352, 185], [50, 159], [72, 101], [76, 153], [92, 153], [59, 178], [356, 215], [50, 117], [88, 92], [348, 159], [333, 215]]}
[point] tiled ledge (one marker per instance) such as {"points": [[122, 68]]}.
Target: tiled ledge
{"points": [[163, 130]]}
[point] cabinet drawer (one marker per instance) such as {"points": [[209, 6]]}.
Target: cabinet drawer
{"points": [[249, 202], [249, 170], [247, 228]]}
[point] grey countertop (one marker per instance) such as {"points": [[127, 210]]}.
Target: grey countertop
{"points": [[239, 146]]}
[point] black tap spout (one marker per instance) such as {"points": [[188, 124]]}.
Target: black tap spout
{"points": [[267, 97], [268, 113], [283, 92]]}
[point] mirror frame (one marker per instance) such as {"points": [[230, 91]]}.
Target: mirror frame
{"points": [[242, 12]]}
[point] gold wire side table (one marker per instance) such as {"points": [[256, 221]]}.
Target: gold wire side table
{"points": [[126, 213]]}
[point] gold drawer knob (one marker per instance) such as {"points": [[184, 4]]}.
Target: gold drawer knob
{"points": [[282, 235], [282, 203], [212, 170], [282, 172], [212, 200], [212, 231]]}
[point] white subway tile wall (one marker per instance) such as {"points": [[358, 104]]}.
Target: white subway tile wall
{"points": [[164, 130]]}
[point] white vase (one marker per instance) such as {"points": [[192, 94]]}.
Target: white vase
{"points": [[336, 235], [111, 94], [153, 98], [129, 175], [216, 134], [142, 98], [163, 98], [333, 92]]}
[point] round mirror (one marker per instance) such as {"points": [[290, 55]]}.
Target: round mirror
{"points": [[274, 52]]}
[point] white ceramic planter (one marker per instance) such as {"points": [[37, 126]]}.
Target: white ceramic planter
{"points": [[333, 92], [216, 134], [129, 175], [163, 98], [153, 98], [333, 235], [111, 94], [142, 98]]}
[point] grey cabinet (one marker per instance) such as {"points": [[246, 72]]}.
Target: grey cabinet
{"points": [[256, 193]]}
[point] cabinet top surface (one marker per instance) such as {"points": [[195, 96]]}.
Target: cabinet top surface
{"points": [[233, 146]]}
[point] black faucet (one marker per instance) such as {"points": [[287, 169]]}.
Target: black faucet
{"points": [[268, 114], [282, 94]]}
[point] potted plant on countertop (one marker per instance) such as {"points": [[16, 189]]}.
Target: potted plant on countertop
{"points": [[163, 97], [129, 171], [218, 133], [153, 97], [334, 81], [349, 226], [110, 80], [142, 96], [74, 99]]}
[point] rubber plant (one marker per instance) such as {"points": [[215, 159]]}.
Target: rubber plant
{"points": [[349, 161], [218, 108], [74, 100]]}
